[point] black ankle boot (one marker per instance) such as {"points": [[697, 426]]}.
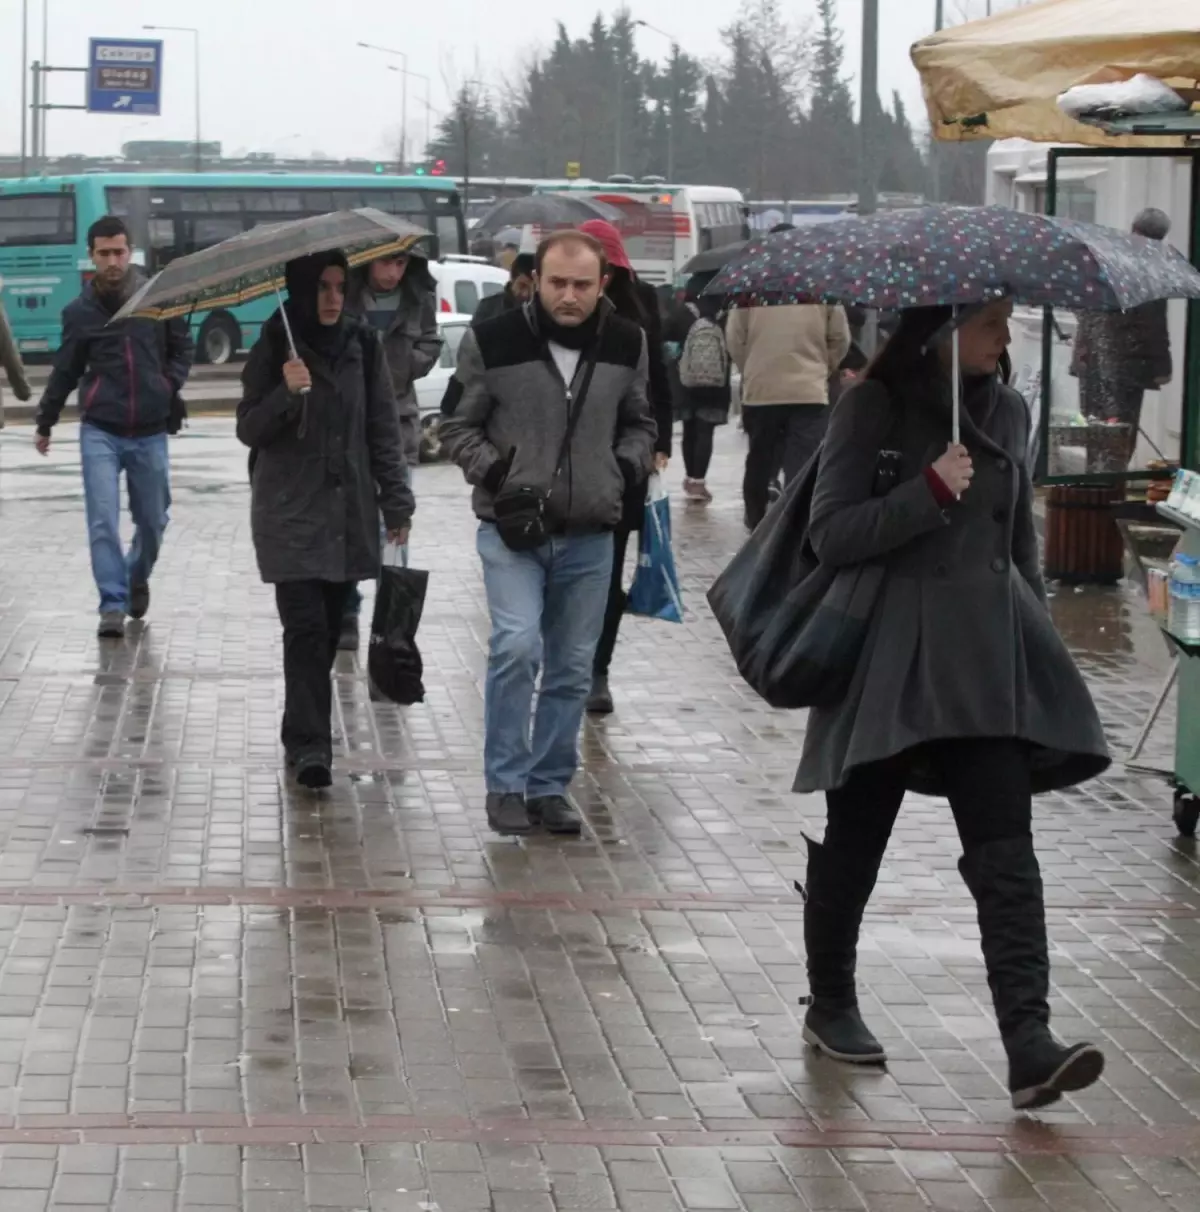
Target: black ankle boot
{"points": [[836, 895], [1006, 882]]}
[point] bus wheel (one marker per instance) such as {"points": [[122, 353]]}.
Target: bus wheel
{"points": [[220, 339]]}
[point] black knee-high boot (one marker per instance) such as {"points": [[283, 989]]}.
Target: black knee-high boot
{"points": [[839, 886], [1006, 882]]}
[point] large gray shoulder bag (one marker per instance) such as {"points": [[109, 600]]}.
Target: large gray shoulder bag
{"points": [[796, 627]]}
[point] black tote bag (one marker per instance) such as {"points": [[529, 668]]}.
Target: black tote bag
{"points": [[795, 627], [393, 660]]}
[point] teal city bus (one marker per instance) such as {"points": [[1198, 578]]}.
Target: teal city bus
{"points": [[44, 222]]}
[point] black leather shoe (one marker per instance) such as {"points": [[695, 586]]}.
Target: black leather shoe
{"points": [[600, 701], [507, 815], [1041, 1072], [314, 771], [139, 601], [555, 813], [348, 640], [840, 1033]]}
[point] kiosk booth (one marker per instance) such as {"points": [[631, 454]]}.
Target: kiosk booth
{"points": [[1106, 477]]}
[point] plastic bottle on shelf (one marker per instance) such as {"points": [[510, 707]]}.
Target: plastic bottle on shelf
{"points": [[1179, 490], [1183, 617]]}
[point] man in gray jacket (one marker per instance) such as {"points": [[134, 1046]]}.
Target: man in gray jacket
{"points": [[397, 297], [550, 423]]}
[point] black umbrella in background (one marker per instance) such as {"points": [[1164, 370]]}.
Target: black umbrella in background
{"points": [[546, 210], [714, 259]]}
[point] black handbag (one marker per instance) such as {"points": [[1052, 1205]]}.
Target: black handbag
{"points": [[520, 511], [795, 627], [393, 659]]}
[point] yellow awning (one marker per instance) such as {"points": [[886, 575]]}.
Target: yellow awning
{"points": [[1011, 68]]}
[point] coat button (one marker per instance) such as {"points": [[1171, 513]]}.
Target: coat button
{"points": [[1000, 514], [940, 571], [1002, 463], [999, 564]]}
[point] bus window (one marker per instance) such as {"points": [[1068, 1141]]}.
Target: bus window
{"points": [[29, 219], [448, 235], [466, 298], [205, 233]]}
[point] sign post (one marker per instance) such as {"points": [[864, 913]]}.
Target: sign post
{"points": [[124, 76]]}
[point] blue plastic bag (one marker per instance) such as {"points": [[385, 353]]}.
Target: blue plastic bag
{"points": [[655, 589]]}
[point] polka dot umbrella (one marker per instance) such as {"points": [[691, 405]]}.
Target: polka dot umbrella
{"points": [[957, 256]]}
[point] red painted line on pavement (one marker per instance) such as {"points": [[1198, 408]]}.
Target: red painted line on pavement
{"points": [[268, 896], [1021, 1136]]}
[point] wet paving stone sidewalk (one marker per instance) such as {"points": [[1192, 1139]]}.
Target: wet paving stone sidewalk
{"points": [[218, 992]]}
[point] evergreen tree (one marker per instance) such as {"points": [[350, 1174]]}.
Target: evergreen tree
{"points": [[831, 143]]}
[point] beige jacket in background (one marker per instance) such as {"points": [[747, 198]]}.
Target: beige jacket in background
{"points": [[787, 354]]}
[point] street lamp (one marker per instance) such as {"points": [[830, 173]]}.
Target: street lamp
{"points": [[662, 33], [428, 105], [187, 29], [387, 50]]}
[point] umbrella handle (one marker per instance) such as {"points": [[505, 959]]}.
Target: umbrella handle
{"points": [[956, 374], [287, 328]]}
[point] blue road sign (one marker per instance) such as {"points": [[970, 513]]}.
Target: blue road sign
{"points": [[124, 76]]}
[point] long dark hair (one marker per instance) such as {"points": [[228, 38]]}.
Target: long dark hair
{"points": [[623, 295], [910, 352]]}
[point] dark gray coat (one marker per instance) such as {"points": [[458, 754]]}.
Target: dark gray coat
{"points": [[961, 643], [508, 401], [411, 344], [325, 465]]}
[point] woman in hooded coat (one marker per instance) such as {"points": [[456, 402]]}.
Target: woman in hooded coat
{"points": [[637, 301], [327, 458], [963, 688]]}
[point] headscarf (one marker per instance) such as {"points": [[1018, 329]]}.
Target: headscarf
{"points": [[303, 279], [610, 240], [621, 288]]}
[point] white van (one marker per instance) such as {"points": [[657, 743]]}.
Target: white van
{"points": [[463, 281]]}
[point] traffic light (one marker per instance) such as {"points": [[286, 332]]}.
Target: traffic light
{"points": [[439, 168], [379, 169], [420, 170]]}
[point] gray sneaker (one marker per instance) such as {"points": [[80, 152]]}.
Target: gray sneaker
{"points": [[507, 815], [112, 625]]}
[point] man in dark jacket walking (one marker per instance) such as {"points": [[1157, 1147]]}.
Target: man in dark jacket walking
{"points": [[129, 376], [10, 362], [396, 296], [517, 291], [1119, 356], [550, 421]]}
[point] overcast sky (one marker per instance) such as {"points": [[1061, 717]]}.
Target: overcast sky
{"points": [[286, 75]]}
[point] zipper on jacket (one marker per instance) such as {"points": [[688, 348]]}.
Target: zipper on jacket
{"points": [[132, 386], [568, 461]]}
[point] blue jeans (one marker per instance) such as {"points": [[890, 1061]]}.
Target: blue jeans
{"points": [[547, 609], [147, 469]]}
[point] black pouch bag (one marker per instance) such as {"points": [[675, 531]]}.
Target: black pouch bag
{"points": [[393, 659], [520, 511]]}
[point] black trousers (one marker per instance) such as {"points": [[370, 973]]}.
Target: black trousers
{"points": [[784, 435], [617, 598], [697, 447], [988, 783], [311, 613]]}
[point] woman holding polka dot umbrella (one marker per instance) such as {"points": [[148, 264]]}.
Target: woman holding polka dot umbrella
{"points": [[960, 686]]}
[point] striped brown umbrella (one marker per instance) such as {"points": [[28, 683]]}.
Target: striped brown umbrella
{"points": [[250, 265]]}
